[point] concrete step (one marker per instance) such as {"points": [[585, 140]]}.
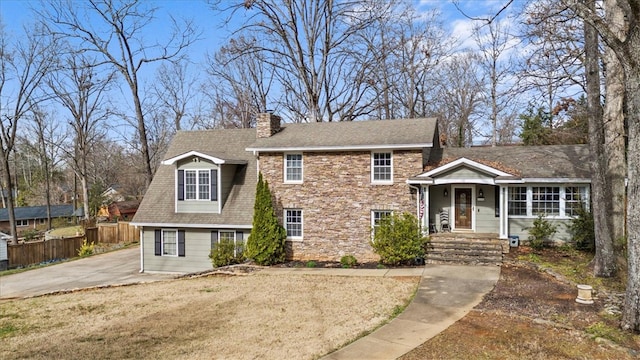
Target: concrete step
{"points": [[464, 251]]}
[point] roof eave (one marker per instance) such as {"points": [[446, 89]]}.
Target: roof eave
{"points": [[342, 147]]}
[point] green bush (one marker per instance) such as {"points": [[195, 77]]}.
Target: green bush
{"points": [[581, 228], [348, 261], [311, 264], [540, 232], [225, 253], [86, 249], [266, 244], [399, 240]]}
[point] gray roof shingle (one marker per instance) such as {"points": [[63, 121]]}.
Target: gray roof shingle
{"points": [[37, 212], [547, 161], [371, 134], [157, 206]]}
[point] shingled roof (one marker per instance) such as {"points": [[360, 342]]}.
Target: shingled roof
{"points": [[37, 212], [157, 207], [548, 161], [371, 134]]}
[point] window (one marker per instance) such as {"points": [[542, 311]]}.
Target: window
{"points": [[575, 197], [518, 201], [293, 168], [545, 200], [22, 222], [293, 223], [234, 237], [381, 167], [169, 243], [198, 185], [377, 215]]}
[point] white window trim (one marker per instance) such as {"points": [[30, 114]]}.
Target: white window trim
{"points": [[22, 223], [383, 182], [294, 238], [197, 171], [373, 219], [162, 231], [286, 181], [562, 215]]}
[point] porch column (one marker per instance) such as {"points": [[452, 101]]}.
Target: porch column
{"points": [[424, 210], [504, 213]]}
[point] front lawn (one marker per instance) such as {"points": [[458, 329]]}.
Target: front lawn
{"points": [[218, 317]]}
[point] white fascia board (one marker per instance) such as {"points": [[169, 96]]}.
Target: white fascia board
{"points": [[192, 226], [341, 148], [414, 181], [213, 159], [464, 181], [510, 181], [558, 180], [466, 162]]}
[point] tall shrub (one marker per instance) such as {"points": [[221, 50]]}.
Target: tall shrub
{"points": [[399, 240], [266, 244], [541, 232], [581, 228]]}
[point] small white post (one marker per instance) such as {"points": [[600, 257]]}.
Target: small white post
{"points": [[584, 294]]}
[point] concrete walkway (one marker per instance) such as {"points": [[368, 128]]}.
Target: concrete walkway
{"points": [[446, 294]]}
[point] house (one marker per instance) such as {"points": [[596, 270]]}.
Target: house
{"points": [[35, 217], [332, 182], [113, 193], [118, 210], [4, 254]]}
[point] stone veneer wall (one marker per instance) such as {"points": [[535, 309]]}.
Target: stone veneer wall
{"points": [[337, 197]]}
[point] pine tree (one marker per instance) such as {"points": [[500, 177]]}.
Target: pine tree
{"points": [[266, 244]]}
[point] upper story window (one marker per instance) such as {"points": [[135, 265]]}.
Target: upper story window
{"points": [[198, 184], [293, 168], [382, 167]]}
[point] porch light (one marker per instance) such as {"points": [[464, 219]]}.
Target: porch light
{"points": [[446, 192], [481, 194]]}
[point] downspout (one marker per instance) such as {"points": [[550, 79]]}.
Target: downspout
{"points": [[417, 203]]}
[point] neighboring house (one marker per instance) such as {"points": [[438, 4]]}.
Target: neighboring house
{"points": [[118, 210], [35, 217], [332, 182], [4, 254], [113, 193]]}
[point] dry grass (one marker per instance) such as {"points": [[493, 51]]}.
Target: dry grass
{"points": [[237, 317]]}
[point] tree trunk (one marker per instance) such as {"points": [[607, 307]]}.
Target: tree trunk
{"points": [[605, 260], [6, 174], [631, 313], [614, 126]]}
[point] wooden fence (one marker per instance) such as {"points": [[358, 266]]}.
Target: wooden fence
{"points": [[35, 252]]}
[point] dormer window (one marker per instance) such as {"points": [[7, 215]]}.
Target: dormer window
{"points": [[198, 185]]}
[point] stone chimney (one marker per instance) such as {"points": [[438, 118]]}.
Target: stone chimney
{"points": [[267, 124]]}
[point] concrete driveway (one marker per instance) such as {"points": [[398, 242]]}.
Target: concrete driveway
{"points": [[117, 267]]}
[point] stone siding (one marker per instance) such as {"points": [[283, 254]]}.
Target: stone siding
{"points": [[337, 198]]}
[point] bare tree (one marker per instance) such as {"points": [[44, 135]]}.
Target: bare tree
{"points": [[240, 86], [112, 30], [614, 126], [605, 260], [22, 69], [174, 91], [48, 136], [305, 41], [460, 91], [495, 44], [626, 45], [551, 64], [81, 91]]}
